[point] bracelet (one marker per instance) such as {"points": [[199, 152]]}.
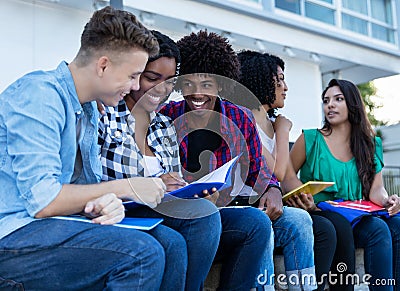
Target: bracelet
{"points": [[130, 185], [273, 186]]}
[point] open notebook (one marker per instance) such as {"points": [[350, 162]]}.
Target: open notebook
{"points": [[219, 178]]}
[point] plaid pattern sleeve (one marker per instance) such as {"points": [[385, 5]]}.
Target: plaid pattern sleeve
{"points": [[119, 154], [259, 176], [239, 136]]}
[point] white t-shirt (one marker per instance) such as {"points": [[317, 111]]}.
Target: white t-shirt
{"points": [[152, 166], [267, 142]]}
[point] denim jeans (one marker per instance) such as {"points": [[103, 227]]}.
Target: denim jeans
{"points": [[246, 233], [201, 234], [294, 235], [51, 254], [380, 239]]}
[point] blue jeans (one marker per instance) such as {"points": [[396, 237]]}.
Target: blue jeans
{"points": [[52, 254], [293, 233], [201, 234], [380, 239], [245, 235]]}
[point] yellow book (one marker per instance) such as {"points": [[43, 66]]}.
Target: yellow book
{"points": [[311, 187]]}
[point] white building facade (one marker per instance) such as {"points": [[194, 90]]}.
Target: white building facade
{"points": [[318, 39]]}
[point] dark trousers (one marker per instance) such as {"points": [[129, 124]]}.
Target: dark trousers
{"points": [[334, 250]]}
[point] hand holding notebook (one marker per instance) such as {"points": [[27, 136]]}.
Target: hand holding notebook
{"points": [[311, 187]]}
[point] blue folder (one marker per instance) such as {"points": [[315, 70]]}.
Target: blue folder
{"points": [[352, 215]]}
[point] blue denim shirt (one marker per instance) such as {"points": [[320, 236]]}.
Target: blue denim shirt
{"points": [[38, 144]]}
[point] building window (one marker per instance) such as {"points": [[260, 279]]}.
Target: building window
{"points": [[250, 3], [373, 18], [289, 5], [354, 24], [320, 13], [359, 6]]}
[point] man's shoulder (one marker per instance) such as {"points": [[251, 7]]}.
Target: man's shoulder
{"points": [[172, 109], [238, 112], [162, 119]]}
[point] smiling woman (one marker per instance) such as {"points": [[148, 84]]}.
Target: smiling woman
{"points": [[147, 147]]}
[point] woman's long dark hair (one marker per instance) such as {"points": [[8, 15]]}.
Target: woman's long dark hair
{"points": [[362, 141]]}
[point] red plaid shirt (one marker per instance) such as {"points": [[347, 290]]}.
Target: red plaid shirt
{"points": [[239, 136]]}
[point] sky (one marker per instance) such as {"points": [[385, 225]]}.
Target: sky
{"points": [[388, 95]]}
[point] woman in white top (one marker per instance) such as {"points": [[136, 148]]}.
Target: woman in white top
{"points": [[263, 75]]}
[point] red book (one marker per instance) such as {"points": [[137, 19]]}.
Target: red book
{"points": [[363, 205]]}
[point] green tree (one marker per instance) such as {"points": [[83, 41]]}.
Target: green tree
{"points": [[368, 90]]}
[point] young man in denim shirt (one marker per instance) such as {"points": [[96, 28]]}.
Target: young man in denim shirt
{"points": [[49, 166]]}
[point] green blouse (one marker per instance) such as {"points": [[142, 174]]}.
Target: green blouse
{"points": [[321, 165]]}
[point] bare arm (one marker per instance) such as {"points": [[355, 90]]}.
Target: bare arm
{"points": [[74, 198], [282, 127], [297, 159], [379, 195]]}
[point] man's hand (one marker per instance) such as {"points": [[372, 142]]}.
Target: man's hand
{"points": [[272, 200], [107, 209], [213, 197], [147, 191], [173, 181], [303, 201]]}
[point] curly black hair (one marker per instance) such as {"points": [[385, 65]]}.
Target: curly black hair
{"points": [[257, 74], [209, 53], [168, 48]]}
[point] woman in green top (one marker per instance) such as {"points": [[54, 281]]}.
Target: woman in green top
{"points": [[347, 152]]}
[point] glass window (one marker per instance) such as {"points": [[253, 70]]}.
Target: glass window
{"points": [[373, 18], [252, 1], [382, 11], [359, 6], [320, 13], [382, 33], [289, 5], [354, 24]]}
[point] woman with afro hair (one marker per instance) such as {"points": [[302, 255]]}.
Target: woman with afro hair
{"points": [[212, 131]]}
